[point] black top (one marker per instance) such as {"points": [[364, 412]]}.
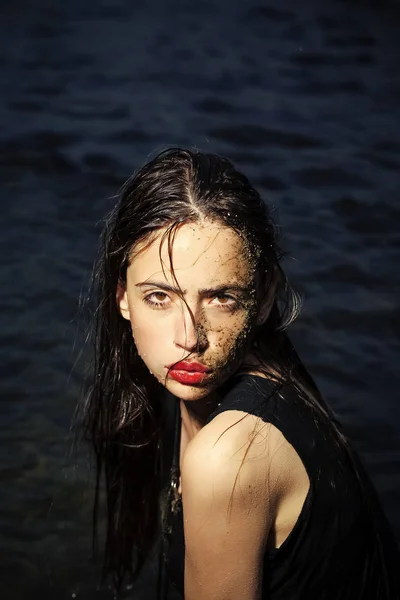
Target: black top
{"points": [[341, 547]]}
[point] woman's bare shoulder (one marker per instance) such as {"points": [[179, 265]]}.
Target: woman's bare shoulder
{"points": [[238, 447]]}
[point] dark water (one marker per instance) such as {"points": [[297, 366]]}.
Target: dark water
{"points": [[305, 97]]}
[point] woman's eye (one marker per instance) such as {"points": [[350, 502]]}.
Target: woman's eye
{"points": [[225, 302], [157, 299]]}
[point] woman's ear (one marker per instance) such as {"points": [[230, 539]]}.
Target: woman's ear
{"points": [[122, 300]]}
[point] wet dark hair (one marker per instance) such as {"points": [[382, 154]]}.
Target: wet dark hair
{"points": [[122, 413]]}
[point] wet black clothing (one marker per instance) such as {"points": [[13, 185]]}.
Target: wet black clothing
{"points": [[341, 547]]}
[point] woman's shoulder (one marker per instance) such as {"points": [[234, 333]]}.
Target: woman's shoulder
{"points": [[239, 448], [234, 428], [273, 420]]}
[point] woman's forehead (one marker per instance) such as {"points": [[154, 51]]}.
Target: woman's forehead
{"points": [[206, 251]]}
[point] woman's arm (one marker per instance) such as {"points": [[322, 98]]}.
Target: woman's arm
{"points": [[228, 493]]}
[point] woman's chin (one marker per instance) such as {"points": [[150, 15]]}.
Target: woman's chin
{"points": [[186, 391]]}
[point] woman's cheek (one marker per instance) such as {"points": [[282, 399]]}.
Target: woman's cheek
{"points": [[229, 337], [150, 334], [238, 334]]}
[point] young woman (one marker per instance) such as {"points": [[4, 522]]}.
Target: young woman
{"points": [[266, 499]]}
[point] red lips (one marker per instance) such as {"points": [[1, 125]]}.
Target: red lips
{"points": [[188, 373], [189, 366]]}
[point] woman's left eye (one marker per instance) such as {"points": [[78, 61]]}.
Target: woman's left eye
{"points": [[225, 302]]}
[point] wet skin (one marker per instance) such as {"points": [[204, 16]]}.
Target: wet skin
{"points": [[199, 309]]}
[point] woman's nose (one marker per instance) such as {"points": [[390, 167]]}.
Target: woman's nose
{"points": [[188, 334]]}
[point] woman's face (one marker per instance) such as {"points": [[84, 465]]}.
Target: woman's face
{"points": [[209, 329]]}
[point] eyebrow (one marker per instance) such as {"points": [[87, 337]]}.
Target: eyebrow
{"points": [[219, 289]]}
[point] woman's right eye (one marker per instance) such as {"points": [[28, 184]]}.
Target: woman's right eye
{"points": [[156, 299]]}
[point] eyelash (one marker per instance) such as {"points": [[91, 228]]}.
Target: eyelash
{"points": [[153, 303], [226, 307]]}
